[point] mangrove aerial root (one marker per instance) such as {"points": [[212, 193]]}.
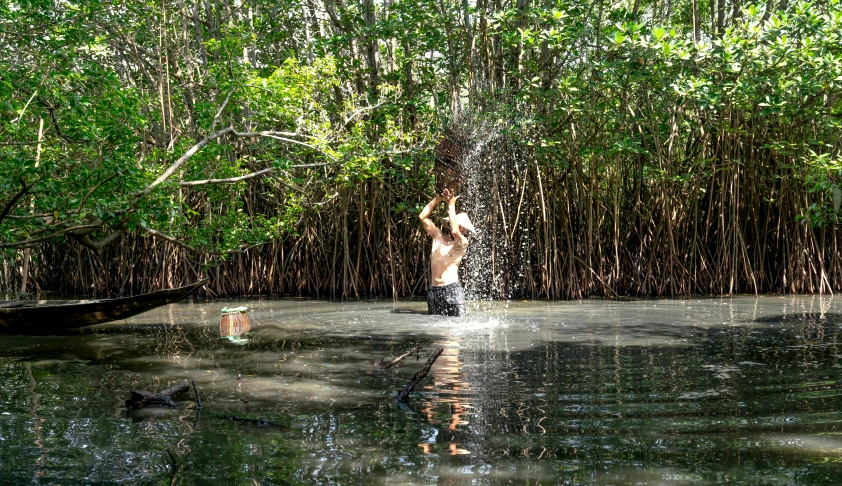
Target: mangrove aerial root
{"points": [[404, 394], [143, 399]]}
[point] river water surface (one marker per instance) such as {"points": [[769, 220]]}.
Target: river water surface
{"points": [[743, 390]]}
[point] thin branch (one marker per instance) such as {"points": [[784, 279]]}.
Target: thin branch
{"points": [[182, 160], [354, 115], [91, 191], [96, 246], [283, 136], [252, 175], [39, 29], [301, 166], [403, 394], [19, 118], [229, 180], [222, 107], [21, 143], [198, 400], [172, 240], [402, 357], [47, 217], [296, 189], [35, 241], [16, 197], [52, 111], [192, 249]]}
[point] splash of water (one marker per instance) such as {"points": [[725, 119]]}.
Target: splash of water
{"points": [[493, 164]]}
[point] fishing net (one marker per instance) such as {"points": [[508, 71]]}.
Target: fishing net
{"points": [[450, 168]]}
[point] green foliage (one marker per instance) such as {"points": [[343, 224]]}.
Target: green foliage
{"points": [[124, 89]]}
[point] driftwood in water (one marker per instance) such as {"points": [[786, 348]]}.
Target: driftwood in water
{"points": [[142, 399], [403, 394], [397, 360]]}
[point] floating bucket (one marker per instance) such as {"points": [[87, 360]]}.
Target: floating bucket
{"points": [[234, 321]]}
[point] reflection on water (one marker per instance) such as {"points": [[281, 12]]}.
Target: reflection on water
{"points": [[659, 391]]}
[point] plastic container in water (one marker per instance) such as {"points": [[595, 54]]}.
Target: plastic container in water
{"points": [[234, 321]]}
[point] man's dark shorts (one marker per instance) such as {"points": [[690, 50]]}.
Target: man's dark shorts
{"points": [[447, 300]]}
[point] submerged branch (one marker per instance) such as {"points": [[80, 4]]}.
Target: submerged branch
{"points": [[404, 394], [142, 399], [198, 399], [401, 357]]}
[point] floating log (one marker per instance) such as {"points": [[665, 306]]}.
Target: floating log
{"points": [[404, 394], [142, 399], [397, 360]]}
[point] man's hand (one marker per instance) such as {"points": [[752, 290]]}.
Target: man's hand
{"points": [[449, 196]]}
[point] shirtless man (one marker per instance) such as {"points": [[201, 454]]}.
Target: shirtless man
{"points": [[446, 296]]}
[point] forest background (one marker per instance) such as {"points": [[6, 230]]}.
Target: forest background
{"points": [[655, 147]]}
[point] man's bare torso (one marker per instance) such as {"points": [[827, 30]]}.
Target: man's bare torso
{"points": [[448, 249], [445, 258]]}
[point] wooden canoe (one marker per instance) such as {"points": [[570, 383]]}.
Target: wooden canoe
{"points": [[57, 317]]}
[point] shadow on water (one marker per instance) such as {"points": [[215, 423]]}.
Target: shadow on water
{"points": [[596, 392], [410, 311]]}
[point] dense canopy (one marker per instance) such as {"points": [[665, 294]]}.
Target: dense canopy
{"points": [[653, 147]]}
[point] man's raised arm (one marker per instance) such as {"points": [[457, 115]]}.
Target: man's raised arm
{"points": [[454, 223], [426, 222]]}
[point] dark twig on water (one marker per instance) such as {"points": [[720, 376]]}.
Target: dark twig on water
{"points": [[399, 358], [172, 458], [198, 399], [174, 466], [199, 405], [198, 417], [404, 394]]}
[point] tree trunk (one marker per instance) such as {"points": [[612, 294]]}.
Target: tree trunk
{"points": [[371, 47]]}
